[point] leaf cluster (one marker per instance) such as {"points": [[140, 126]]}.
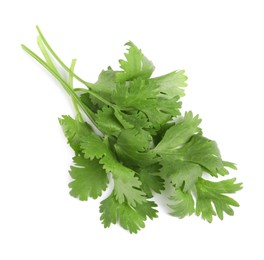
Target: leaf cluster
{"points": [[137, 135]]}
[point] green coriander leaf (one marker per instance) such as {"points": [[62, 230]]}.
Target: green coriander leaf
{"points": [[90, 179], [74, 130], [181, 173], [130, 218], [163, 111], [209, 193], [230, 165], [170, 106], [131, 94], [88, 100], [171, 84], [183, 204], [158, 135], [93, 146], [135, 119], [204, 152], [179, 134], [109, 209], [104, 86], [135, 66], [150, 179], [139, 95], [127, 185], [105, 83], [122, 120], [132, 146], [107, 121]]}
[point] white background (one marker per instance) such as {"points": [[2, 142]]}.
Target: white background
{"points": [[220, 45]]}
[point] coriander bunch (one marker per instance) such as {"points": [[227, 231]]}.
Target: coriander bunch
{"points": [[137, 135]]}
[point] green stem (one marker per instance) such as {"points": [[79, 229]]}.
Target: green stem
{"points": [[65, 85], [70, 82], [45, 42], [46, 55], [96, 96], [41, 41], [80, 89], [52, 66]]}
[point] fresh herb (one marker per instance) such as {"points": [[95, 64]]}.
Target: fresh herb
{"points": [[128, 127]]}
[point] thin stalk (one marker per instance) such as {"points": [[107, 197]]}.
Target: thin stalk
{"points": [[52, 66], [80, 89], [96, 96], [64, 84], [71, 72], [46, 55], [45, 42], [70, 82]]}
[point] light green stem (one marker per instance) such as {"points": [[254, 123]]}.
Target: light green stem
{"points": [[65, 85], [96, 96], [70, 82], [45, 42], [46, 55], [52, 66]]}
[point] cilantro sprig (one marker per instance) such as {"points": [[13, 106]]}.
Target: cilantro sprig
{"points": [[128, 125]]}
